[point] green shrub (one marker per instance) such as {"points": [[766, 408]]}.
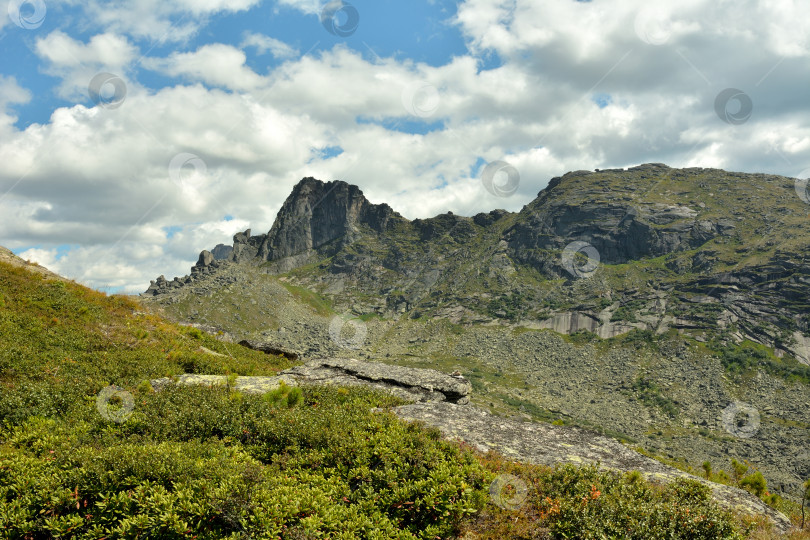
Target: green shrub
{"points": [[193, 461], [755, 483]]}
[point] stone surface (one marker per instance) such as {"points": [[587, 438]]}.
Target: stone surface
{"points": [[249, 385], [408, 383]]}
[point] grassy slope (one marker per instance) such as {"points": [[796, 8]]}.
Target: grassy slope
{"points": [[205, 463]]}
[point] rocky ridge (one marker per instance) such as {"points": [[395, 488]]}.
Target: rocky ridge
{"points": [[667, 250]]}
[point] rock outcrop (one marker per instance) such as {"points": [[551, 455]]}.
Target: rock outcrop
{"points": [[411, 384], [320, 218]]}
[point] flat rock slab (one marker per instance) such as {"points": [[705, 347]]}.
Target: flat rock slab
{"points": [[411, 384], [547, 444]]}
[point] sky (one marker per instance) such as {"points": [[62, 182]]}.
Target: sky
{"points": [[136, 133]]}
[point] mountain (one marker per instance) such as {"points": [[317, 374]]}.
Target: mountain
{"points": [[645, 303], [703, 251]]}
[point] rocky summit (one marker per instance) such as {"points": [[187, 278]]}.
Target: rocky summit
{"points": [[664, 307]]}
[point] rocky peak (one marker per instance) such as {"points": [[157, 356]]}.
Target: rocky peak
{"points": [[317, 214]]}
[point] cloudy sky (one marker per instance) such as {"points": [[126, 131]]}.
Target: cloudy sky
{"points": [[135, 133]]}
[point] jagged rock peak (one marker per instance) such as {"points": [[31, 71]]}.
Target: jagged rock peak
{"points": [[317, 214]]}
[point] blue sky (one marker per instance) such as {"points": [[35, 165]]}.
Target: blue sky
{"points": [[135, 133]]}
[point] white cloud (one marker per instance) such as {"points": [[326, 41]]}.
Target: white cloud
{"points": [[307, 6], [76, 63], [12, 93], [158, 20], [264, 44], [100, 177], [216, 65]]}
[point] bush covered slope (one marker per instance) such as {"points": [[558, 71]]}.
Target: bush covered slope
{"points": [[212, 463]]}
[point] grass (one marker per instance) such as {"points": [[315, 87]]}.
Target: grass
{"points": [[317, 302]]}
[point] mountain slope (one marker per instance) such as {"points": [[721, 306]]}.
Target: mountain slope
{"points": [[80, 459], [695, 279]]}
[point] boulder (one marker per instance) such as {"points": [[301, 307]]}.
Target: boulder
{"points": [[409, 383]]}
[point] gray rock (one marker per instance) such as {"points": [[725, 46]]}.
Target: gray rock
{"points": [[206, 258], [410, 383]]}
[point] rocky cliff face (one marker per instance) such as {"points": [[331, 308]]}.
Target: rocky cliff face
{"points": [[620, 229], [316, 220]]}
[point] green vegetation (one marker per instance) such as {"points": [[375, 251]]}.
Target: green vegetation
{"points": [[210, 463], [284, 396], [572, 502], [650, 394], [317, 302], [197, 462], [738, 358]]}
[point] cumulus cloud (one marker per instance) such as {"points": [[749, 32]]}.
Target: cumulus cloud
{"points": [[157, 20], [266, 44], [570, 85], [76, 63], [216, 65]]}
